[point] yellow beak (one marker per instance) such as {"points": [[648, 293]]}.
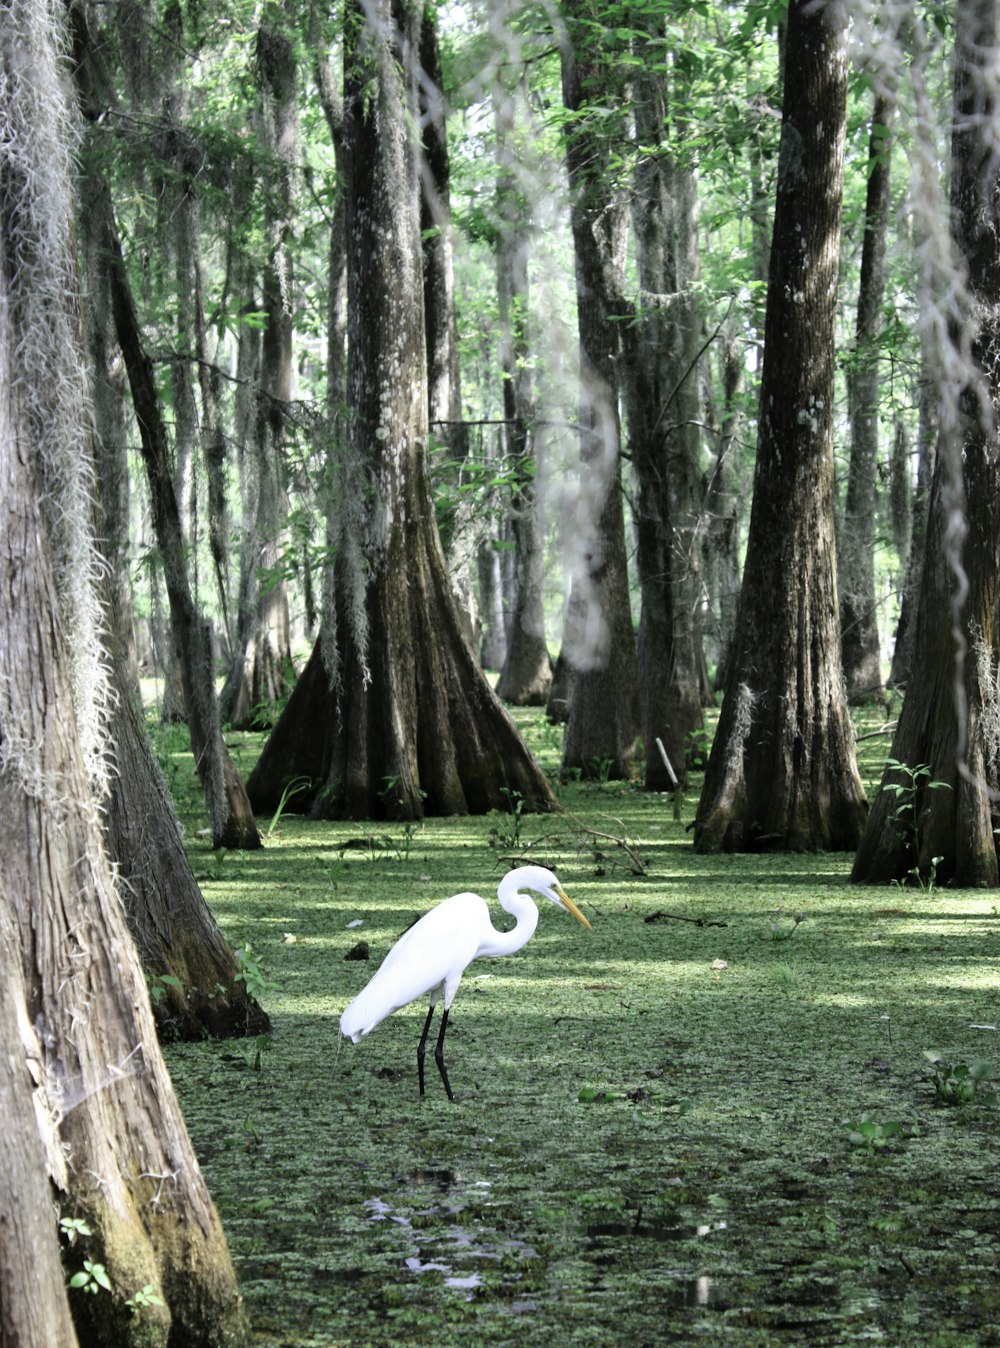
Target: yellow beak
{"points": [[570, 906]]}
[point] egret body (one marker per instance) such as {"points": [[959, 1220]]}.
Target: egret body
{"points": [[431, 957]]}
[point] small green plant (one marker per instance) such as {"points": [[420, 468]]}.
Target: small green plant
{"points": [[293, 787], [158, 985], [91, 1278], [958, 1083], [143, 1299], [697, 747], [409, 833], [869, 1134], [505, 835], [73, 1228], [600, 770], [909, 820], [255, 1058], [252, 972], [779, 928]]}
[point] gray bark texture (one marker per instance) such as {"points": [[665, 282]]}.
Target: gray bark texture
{"points": [[392, 716], [782, 772], [96, 1130], [948, 735], [604, 716], [856, 543]]}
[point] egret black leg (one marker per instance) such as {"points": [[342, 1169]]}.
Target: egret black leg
{"points": [[422, 1046], [439, 1055]]}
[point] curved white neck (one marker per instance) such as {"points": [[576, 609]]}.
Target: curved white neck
{"points": [[506, 942]]}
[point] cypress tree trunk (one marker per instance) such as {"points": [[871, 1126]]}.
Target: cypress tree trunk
{"points": [[392, 715], [948, 735], [108, 1142], [856, 544], [782, 771], [604, 717], [660, 382], [526, 675]]}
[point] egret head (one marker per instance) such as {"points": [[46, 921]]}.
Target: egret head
{"points": [[542, 881]]}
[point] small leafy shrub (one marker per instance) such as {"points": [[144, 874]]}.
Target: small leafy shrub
{"points": [[958, 1083], [908, 820], [505, 835], [91, 1278], [869, 1134], [158, 985], [252, 972], [779, 928], [697, 747], [143, 1299]]}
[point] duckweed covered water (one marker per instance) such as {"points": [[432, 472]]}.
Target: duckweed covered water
{"points": [[647, 1142]]}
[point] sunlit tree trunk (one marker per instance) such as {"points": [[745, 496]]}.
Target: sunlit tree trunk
{"points": [[948, 734], [262, 665], [526, 674], [392, 715], [444, 382], [782, 772], [856, 543], [102, 1138], [604, 718], [661, 337]]}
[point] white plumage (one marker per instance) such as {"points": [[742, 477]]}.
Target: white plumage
{"points": [[431, 957]]}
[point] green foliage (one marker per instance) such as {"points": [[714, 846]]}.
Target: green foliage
{"points": [[253, 973], [908, 818], [958, 1083], [91, 1278], [870, 1134], [158, 985], [73, 1228], [146, 1297], [505, 833], [294, 787]]}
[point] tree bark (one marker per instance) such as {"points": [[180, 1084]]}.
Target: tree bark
{"points": [[392, 716], [860, 645], [444, 382], [948, 734], [782, 772], [230, 815], [604, 718], [526, 675], [107, 1142], [661, 338], [261, 673]]}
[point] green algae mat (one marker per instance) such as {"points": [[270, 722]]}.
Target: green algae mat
{"points": [[711, 1119]]}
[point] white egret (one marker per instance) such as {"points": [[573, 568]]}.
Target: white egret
{"points": [[433, 954]]}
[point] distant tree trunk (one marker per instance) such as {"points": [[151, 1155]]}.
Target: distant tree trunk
{"points": [[229, 812], [660, 383], [604, 718], [444, 382], [722, 505], [527, 670], [166, 913], [392, 715], [949, 728], [93, 1126], [856, 544], [782, 772], [927, 437], [261, 674], [230, 815]]}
